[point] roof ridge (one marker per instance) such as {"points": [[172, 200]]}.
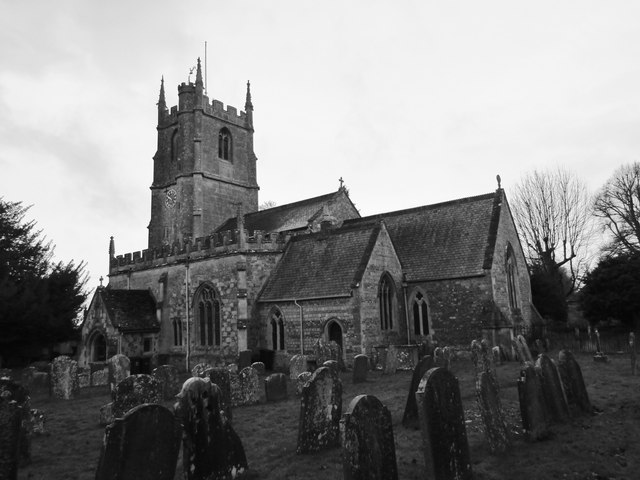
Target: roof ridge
{"points": [[288, 205]]}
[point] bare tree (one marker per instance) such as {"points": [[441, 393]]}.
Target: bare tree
{"points": [[553, 216], [267, 204], [618, 205]]}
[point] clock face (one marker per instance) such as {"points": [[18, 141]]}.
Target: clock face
{"points": [[170, 199]]}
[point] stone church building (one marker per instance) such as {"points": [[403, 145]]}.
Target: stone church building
{"points": [[219, 276]]}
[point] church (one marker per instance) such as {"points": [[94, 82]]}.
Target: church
{"points": [[219, 276]]}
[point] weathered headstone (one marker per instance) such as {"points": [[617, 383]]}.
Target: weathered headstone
{"points": [[322, 352], [301, 381], [495, 428], [211, 447], [135, 390], [410, 417], [144, 445], [247, 388], [320, 411], [119, 368], [391, 361], [199, 370], [497, 355], [552, 389], [297, 365], [106, 414], [333, 365], [64, 377], [84, 377], [259, 367], [275, 387], [99, 378], [444, 437], [632, 353], [222, 378], [10, 433], [170, 380], [573, 382], [244, 359], [368, 447], [13, 391], [438, 357], [524, 348], [336, 354], [599, 356], [360, 368], [533, 408]]}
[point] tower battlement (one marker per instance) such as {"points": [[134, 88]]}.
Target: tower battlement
{"points": [[215, 245]]}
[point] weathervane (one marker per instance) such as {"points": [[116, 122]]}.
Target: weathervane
{"points": [[191, 70]]}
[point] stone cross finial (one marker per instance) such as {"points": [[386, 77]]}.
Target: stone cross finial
{"points": [[341, 182], [101, 278]]}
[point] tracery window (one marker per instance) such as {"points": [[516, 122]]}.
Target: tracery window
{"points": [[420, 315], [225, 145], [276, 326], [207, 308], [386, 294]]}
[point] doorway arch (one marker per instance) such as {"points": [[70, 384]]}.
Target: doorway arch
{"points": [[98, 348], [334, 332]]}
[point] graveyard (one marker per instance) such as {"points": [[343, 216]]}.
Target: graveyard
{"points": [[601, 445]]}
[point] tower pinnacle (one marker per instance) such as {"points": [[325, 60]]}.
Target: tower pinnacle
{"points": [[162, 104], [248, 106]]}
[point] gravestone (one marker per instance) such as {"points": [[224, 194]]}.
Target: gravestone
{"points": [[322, 352], [360, 368], [143, 445], [259, 367], [119, 368], [533, 408], [135, 390], [13, 391], [10, 434], [495, 428], [410, 418], [297, 365], [368, 447], [599, 356], [244, 359], [84, 377], [481, 359], [552, 389], [199, 370], [301, 381], [523, 349], [211, 447], [275, 386], [246, 390], [320, 411], [99, 378], [497, 356], [333, 365], [573, 382], [106, 414], [391, 361], [64, 377], [336, 354], [169, 379], [222, 378], [444, 437]]}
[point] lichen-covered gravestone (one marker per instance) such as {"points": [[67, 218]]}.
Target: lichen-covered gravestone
{"points": [[301, 381], [144, 445], [391, 361], [322, 352], [444, 437], [135, 390], [211, 447], [246, 390], [573, 382], [320, 411], [552, 389], [13, 391], [170, 380], [222, 378], [275, 387], [333, 365], [64, 377], [495, 428], [297, 365], [99, 378], [119, 368], [199, 370], [259, 367], [10, 433], [533, 408], [410, 418], [360, 368], [368, 447], [84, 377]]}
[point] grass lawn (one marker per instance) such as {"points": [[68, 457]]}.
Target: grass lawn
{"points": [[604, 446]]}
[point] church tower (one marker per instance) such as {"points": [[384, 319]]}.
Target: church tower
{"points": [[204, 170]]}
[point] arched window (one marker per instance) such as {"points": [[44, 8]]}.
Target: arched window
{"points": [[225, 145], [98, 347], [207, 310], [276, 327], [420, 311], [511, 271], [177, 332], [386, 295]]}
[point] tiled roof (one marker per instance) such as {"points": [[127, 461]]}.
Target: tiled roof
{"points": [[324, 264], [292, 216], [131, 310], [447, 240]]}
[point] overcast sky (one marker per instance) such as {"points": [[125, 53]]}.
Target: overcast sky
{"points": [[411, 103]]}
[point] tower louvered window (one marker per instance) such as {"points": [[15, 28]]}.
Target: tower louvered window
{"points": [[225, 145]]}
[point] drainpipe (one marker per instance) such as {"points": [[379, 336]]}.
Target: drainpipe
{"points": [[406, 308], [301, 328], [186, 294]]}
